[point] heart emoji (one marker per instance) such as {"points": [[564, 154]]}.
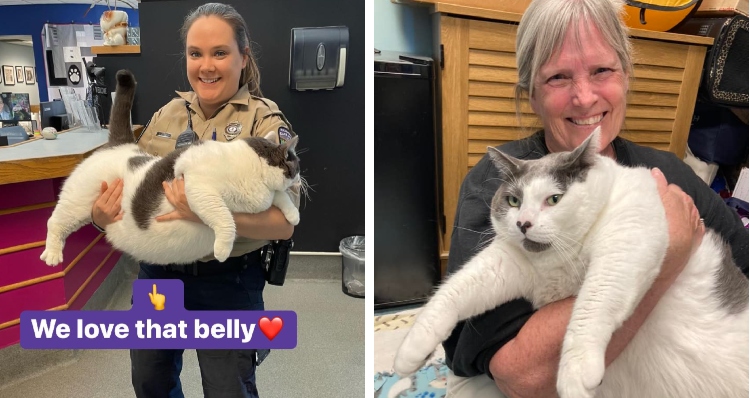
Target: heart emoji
{"points": [[270, 327]]}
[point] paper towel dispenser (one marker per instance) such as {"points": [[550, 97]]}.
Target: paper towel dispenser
{"points": [[317, 58]]}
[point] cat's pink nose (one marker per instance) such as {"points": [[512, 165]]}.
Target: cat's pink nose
{"points": [[523, 227]]}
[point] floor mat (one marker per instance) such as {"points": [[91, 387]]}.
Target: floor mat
{"points": [[428, 382]]}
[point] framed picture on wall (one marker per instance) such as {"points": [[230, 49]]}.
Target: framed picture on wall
{"points": [[8, 75], [30, 75], [19, 74]]}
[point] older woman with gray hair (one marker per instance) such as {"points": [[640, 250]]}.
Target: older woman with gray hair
{"points": [[574, 64]]}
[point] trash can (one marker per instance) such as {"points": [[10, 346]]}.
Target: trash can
{"points": [[353, 265]]}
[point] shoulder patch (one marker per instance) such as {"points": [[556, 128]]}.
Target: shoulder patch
{"points": [[284, 135]]}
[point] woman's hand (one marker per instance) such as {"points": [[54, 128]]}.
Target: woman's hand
{"points": [[175, 193], [107, 207], [686, 228]]}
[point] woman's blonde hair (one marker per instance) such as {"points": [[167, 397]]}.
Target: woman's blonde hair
{"points": [[250, 75], [545, 23]]}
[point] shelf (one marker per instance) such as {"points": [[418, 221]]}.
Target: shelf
{"points": [[127, 49]]}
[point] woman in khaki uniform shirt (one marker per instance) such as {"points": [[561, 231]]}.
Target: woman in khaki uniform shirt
{"points": [[225, 104]]}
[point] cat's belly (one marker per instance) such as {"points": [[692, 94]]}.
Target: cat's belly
{"points": [[690, 346], [172, 242]]}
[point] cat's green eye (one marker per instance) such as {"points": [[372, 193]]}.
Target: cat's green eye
{"points": [[514, 201], [552, 200]]}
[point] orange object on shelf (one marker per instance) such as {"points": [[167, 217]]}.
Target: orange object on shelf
{"points": [[658, 15]]}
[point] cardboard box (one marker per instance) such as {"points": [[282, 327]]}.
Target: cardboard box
{"points": [[722, 7]]}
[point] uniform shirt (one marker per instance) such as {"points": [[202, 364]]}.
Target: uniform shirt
{"points": [[472, 344], [244, 115]]}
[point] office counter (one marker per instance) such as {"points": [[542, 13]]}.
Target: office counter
{"points": [[31, 175]]}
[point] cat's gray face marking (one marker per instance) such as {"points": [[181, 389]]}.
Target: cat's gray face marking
{"points": [[282, 156], [149, 194], [563, 169], [730, 285], [138, 161]]}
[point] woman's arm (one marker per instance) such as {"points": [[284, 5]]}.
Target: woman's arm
{"points": [[267, 225], [527, 365]]}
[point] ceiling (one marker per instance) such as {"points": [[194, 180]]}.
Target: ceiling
{"points": [[27, 2], [21, 40]]}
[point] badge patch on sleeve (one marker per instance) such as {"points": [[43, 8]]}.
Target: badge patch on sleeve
{"points": [[284, 135], [163, 135]]}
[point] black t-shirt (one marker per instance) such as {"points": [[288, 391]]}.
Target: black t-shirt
{"points": [[473, 343]]}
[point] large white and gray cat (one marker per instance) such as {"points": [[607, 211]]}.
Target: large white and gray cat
{"points": [[578, 224], [245, 175]]}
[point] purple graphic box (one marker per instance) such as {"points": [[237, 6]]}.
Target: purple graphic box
{"points": [[171, 328]]}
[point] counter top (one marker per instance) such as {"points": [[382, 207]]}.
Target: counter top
{"points": [[45, 159]]}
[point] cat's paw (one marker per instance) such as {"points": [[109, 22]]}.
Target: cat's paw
{"points": [[414, 351], [292, 216], [581, 372], [222, 250], [52, 257]]}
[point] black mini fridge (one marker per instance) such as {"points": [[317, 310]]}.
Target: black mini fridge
{"points": [[407, 261]]}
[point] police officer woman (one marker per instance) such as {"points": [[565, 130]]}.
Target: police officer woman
{"points": [[225, 104]]}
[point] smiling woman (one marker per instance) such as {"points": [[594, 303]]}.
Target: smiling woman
{"points": [[225, 104]]}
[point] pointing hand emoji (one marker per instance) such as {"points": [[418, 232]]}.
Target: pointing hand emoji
{"points": [[157, 299]]}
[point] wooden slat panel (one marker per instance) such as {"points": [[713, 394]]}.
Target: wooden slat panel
{"points": [[474, 158], [655, 86], [492, 58], [499, 119], [646, 136], [648, 98], [500, 133], [480, 146], [648, 125], [650, 112], [492, 36], [497, 105], [658, 73], [492, 74], [659, 53], [491, 89]]}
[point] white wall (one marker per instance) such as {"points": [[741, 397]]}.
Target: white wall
{"points": [[17, 55], [403, 28]]}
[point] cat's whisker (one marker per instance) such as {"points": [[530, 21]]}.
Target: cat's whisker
{"points": [[568, 254], [305, 188]]}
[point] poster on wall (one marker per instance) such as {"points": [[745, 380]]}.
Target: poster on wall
{"points": [[19, 74], [21, 106], [8, 75], [30, 75]]}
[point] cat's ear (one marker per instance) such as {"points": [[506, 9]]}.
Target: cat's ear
{"points": [[291, 144], [585, 154], [270, 136], [503, 162]]}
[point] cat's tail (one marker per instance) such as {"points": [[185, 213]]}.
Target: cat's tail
{"points": [[120, 131]]}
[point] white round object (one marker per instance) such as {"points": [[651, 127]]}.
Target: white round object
{"points": [[49, 133]]}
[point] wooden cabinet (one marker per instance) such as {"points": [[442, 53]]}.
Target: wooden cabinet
{"points": [[476, 83]]}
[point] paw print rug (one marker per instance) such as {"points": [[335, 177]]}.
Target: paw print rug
{"points": [[428, 382]]}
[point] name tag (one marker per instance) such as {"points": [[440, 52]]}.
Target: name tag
{"points": [[163, 135]]}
